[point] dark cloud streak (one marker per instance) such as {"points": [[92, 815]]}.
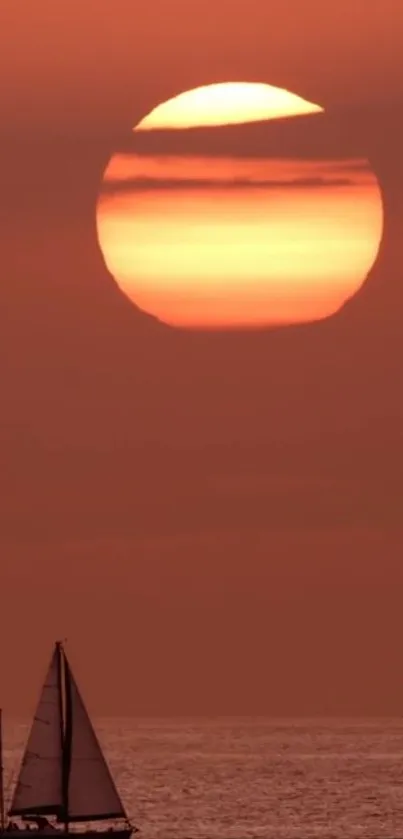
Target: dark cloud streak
{"points": [[149, 184]]}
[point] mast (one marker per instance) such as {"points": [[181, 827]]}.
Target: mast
{"points": [[2, 812], [65, 731]]}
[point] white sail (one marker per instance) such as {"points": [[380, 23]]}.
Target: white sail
{"points": [[91, 791], [39, 785]]}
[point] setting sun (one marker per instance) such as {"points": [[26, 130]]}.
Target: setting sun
{"points": [[217, 228]]}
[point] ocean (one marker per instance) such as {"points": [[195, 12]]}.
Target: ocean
{"points": [[233, 778]]}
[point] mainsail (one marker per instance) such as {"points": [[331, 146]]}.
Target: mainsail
{"points": [[91, 792], [39, 785]]}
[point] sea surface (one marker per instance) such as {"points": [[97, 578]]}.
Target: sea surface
{"points": [[234, 778]]}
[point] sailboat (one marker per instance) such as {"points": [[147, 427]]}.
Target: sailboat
{"points": [[64, 780]]}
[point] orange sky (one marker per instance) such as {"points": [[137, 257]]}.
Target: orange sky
{"points": [[124, 63], [214, 521]]}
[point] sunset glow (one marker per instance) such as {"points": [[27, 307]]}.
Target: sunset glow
{"points": [[225, 104]]}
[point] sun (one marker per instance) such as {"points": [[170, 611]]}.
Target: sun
{"points": [[227, 103], [206, 223]]}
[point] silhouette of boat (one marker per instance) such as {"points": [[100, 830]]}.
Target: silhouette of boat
{"points": [[64, 781]]}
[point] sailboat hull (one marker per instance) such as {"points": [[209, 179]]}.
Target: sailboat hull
{"points": [[45, 833]]}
